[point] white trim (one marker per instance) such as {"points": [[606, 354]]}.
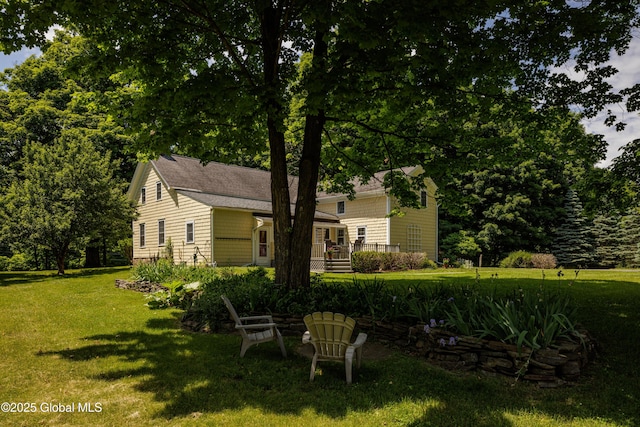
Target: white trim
{"points": [[358, 227], [388, 222], [164, 232], [426, 198], [142, 235], [193, 232]]}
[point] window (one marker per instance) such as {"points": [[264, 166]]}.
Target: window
{"points": [[143, 195], [340, 236], [158, 191], [362, 234], [142, 236], [190, 232], [414, 238], [262, 243], [340, 209], [423, 199], [160, 232]]}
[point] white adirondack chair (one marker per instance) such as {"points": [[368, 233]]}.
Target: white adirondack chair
{"points": [[330, 335], [255, 329]]}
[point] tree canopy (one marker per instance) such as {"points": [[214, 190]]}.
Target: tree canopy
{"points": [[46, 99], [386, 83], [65, 195]]}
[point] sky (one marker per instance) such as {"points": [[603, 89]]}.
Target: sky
{"points": [[628, 75]]}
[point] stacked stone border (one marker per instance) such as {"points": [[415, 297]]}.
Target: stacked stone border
{"points": [[560, 364]]}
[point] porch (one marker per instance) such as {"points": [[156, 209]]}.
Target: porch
{"points": [[331, 257]]}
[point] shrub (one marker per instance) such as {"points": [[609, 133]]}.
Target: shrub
{"points": [[365, 262], [518, 259], [4, 262], [370, 262], [18, 262], [544, 261], [413, 260]]}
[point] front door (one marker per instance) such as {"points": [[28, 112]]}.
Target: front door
{"points": [[263, 247]]}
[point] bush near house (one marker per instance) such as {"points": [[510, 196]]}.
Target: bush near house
{"points": [[369, 262]]}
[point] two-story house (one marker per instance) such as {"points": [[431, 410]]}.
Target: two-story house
{"points": [[222, 214]]}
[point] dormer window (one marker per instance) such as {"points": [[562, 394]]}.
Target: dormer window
{"points": [[158, 191]]}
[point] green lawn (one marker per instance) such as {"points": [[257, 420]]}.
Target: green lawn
{"points": [[79, 342]]}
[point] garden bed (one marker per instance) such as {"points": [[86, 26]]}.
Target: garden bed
{"points": [[551, 349], [561, 364]]}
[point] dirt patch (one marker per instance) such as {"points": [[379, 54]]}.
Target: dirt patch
{"points": [[371, 351]]}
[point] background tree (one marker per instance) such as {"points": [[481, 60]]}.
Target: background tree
{"points": [[65, 192], [387, 84], [49, 96], [461, 245], [608, 240], [629, 249], [574, 244], [511, 197]]}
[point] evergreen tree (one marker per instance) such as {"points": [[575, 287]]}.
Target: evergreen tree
{"points": [[574, 243], [629, 250], [608, 240]]}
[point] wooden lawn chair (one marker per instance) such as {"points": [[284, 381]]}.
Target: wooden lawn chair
{"points": [[330, 335], [255, 329]]}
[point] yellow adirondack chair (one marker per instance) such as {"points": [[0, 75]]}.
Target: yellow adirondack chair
{"points": [[330, 335], [255, 329]]}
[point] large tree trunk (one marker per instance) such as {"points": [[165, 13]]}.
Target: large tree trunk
{"points": [[292, 236], [281, 205], [302, 236], [280, 200]]}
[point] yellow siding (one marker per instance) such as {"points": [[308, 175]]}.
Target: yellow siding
{"points": [[425, 219], [232, 232], [176, 210], [369, 212]]}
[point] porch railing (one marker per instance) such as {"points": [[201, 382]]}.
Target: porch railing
{"points": [[322, 250]]}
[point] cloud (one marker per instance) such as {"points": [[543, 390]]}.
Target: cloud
{"points": [[628, 66]]}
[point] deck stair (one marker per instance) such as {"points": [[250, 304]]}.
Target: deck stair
{"points": [[338, 266]]}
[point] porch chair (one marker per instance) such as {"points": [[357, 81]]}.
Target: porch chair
{"points": [[255, 329], [330, 335]]}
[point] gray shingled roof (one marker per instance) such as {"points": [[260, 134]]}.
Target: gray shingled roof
{"points": [[187, 173], [257, 206], [225, 186]]}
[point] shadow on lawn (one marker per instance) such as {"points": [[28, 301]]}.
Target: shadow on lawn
{"points": [[198, 374], [26, 277]]}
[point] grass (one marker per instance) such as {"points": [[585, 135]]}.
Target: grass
{"points": [[77, 339]]}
